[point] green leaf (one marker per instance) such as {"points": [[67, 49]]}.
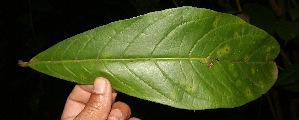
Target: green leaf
{"points": [[261, 16], [288, 78], [294, 13], [185, 57], [288, 30]]}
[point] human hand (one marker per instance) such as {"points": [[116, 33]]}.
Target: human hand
{"points": [[95, 102]]}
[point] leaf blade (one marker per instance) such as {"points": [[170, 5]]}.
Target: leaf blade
{"points": [[196, 61]]}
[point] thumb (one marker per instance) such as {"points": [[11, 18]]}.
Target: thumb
{"points": [[100, 101]]}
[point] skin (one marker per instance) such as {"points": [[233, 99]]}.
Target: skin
{"points": [[95, 102]]}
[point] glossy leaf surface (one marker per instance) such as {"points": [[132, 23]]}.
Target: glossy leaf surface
{"points": [[185, 57]]}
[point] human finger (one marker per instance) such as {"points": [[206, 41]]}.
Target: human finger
{"points": [[76, 101], [100, 101], [120, 111], [134, 118]]}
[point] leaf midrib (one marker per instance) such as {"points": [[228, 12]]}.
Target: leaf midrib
{"points": [[202, 60]]}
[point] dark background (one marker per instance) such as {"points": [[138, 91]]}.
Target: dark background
{"points": [[31, 26]]}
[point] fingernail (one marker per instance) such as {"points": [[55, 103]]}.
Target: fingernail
{"points": [[100, 86], [115, 114]]}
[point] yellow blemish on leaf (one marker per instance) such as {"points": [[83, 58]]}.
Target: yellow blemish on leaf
{"points": [[236, 34], [235, 74], [270, 48], [173, 95], [231, 67], [253, 71], [82, 77], [260, 84], [238, 82], [204, 60], [248, 93], [223, 51], [246, 58], [216, 21], [190, 88]]}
